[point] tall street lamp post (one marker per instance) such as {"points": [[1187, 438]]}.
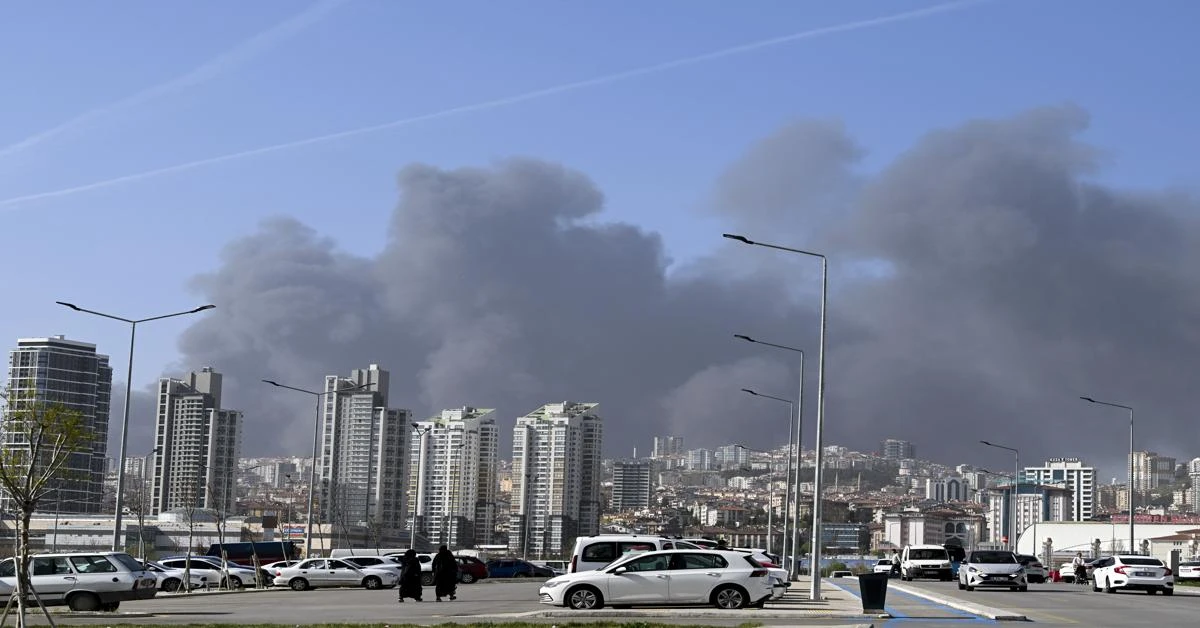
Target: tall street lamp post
{"points": [[819, 446], [422, 433], [787, 500], [1012, 498], [798, 449], [1132, 547], [312, 472], [770, 501], [117, 546]]}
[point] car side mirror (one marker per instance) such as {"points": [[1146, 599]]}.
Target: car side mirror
{"points": [[620, 570]]}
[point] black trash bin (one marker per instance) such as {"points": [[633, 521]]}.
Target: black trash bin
{"points": [[873, 589]]}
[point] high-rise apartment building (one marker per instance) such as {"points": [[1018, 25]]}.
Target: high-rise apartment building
{"points": [[361, 469], [196, 446], [1072, 473], [667, 446], [632, 485], [700, 460], [556, 479], [60, 371], [732, 456], [1193, 469], [894, 449], [453, 477], [1151, 470]]}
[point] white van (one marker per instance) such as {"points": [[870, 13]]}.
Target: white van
{"points": [[925, 561], [83, 581], [594, 552]]}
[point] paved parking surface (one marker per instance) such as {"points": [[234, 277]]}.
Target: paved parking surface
{"points": [[1067, 604]]}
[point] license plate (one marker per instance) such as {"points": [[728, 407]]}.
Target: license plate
{"points": [[1144, 574]]}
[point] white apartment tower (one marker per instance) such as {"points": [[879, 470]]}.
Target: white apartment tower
{"points": [[1076, 476], [453, 477], [1151, 470], [361, 468], [556, 479], [60, 371], [196, 446]]}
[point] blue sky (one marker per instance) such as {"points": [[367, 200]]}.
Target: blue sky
{"points": [[653, 143]]}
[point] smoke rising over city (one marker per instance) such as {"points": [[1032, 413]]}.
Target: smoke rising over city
{"points": [[979, 284]]}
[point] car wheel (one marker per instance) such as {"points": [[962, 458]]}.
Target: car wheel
{"points": [[298, 584], [467, 577], [372, 582], [729, 598], [83, 602], [1168, 591], [961, 586], [171, 585], [1107, 587], [234, 582], [584, 598], [1023, 587], [1095, 586], [427, 579], [970, 588]]}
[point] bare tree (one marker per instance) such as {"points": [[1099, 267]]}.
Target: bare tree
{"points": [[39, 438], [219, 494], [138, 504], [191, 510]]}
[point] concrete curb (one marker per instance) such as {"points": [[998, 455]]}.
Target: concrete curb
{"points": [[744, 615], [203, 593], [989, 612]]}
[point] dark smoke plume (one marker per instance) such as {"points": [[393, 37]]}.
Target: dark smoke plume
{"points": [[979, 284]]}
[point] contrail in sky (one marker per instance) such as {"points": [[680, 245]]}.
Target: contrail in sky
{"points": [[510, 100], [247, 49]]}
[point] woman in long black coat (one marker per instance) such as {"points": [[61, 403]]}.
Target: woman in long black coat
{"points": [[410, 577], [445, 573]]}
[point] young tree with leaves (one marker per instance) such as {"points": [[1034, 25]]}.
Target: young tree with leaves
{"points": [[39, 438]]}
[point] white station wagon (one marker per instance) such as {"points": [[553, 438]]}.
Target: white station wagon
{"points": [[97, 581]]}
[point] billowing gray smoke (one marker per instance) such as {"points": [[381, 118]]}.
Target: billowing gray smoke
{"points": [[980, 284]]}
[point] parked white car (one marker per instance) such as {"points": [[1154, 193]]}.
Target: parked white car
{"points": [[1137, 573], [83, 581], [992, 568], [1189, 570], [171, 580], [925, 561], [239, 576], [883, 565], [725, 579], [1035, 572], [332, 572]]}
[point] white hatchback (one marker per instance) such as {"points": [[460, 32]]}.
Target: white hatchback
{"points": [[1138, 573], [725, 579]]}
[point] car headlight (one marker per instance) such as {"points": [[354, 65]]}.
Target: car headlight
{"points": [[945, 565], [550, 584], [972, 570]]}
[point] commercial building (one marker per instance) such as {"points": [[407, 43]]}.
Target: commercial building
{"points": [[1076, 476], [946, 490], [632, 485], [361, 470], [59, 371], [1036, 503], [196, 446], [453, 477], [894, 449], [556, 479], [845, 538]]}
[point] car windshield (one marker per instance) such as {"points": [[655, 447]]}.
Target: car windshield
{"points": [[1027, 559], [1134, 560], [928, 554], [993, 558], [884, 562], [1189, 564]]}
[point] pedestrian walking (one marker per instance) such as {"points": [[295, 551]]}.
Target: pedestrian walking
{"points": [[410, 577], [445, 574]]}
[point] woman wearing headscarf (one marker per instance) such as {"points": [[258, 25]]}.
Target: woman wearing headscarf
{"points": [[445, 573], [410, 576]]}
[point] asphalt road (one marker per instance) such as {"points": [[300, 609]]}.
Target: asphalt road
{"points": [[1061, 604]]}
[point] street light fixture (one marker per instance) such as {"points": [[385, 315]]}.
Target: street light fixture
{"points": [[1013, 495], [796, 441], [419, 511], [117, 546], [787, 500], [312, 471], [1132, 548], [819, 459]]}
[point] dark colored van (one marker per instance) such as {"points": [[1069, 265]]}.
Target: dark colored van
{"points": [[266, 551]]}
